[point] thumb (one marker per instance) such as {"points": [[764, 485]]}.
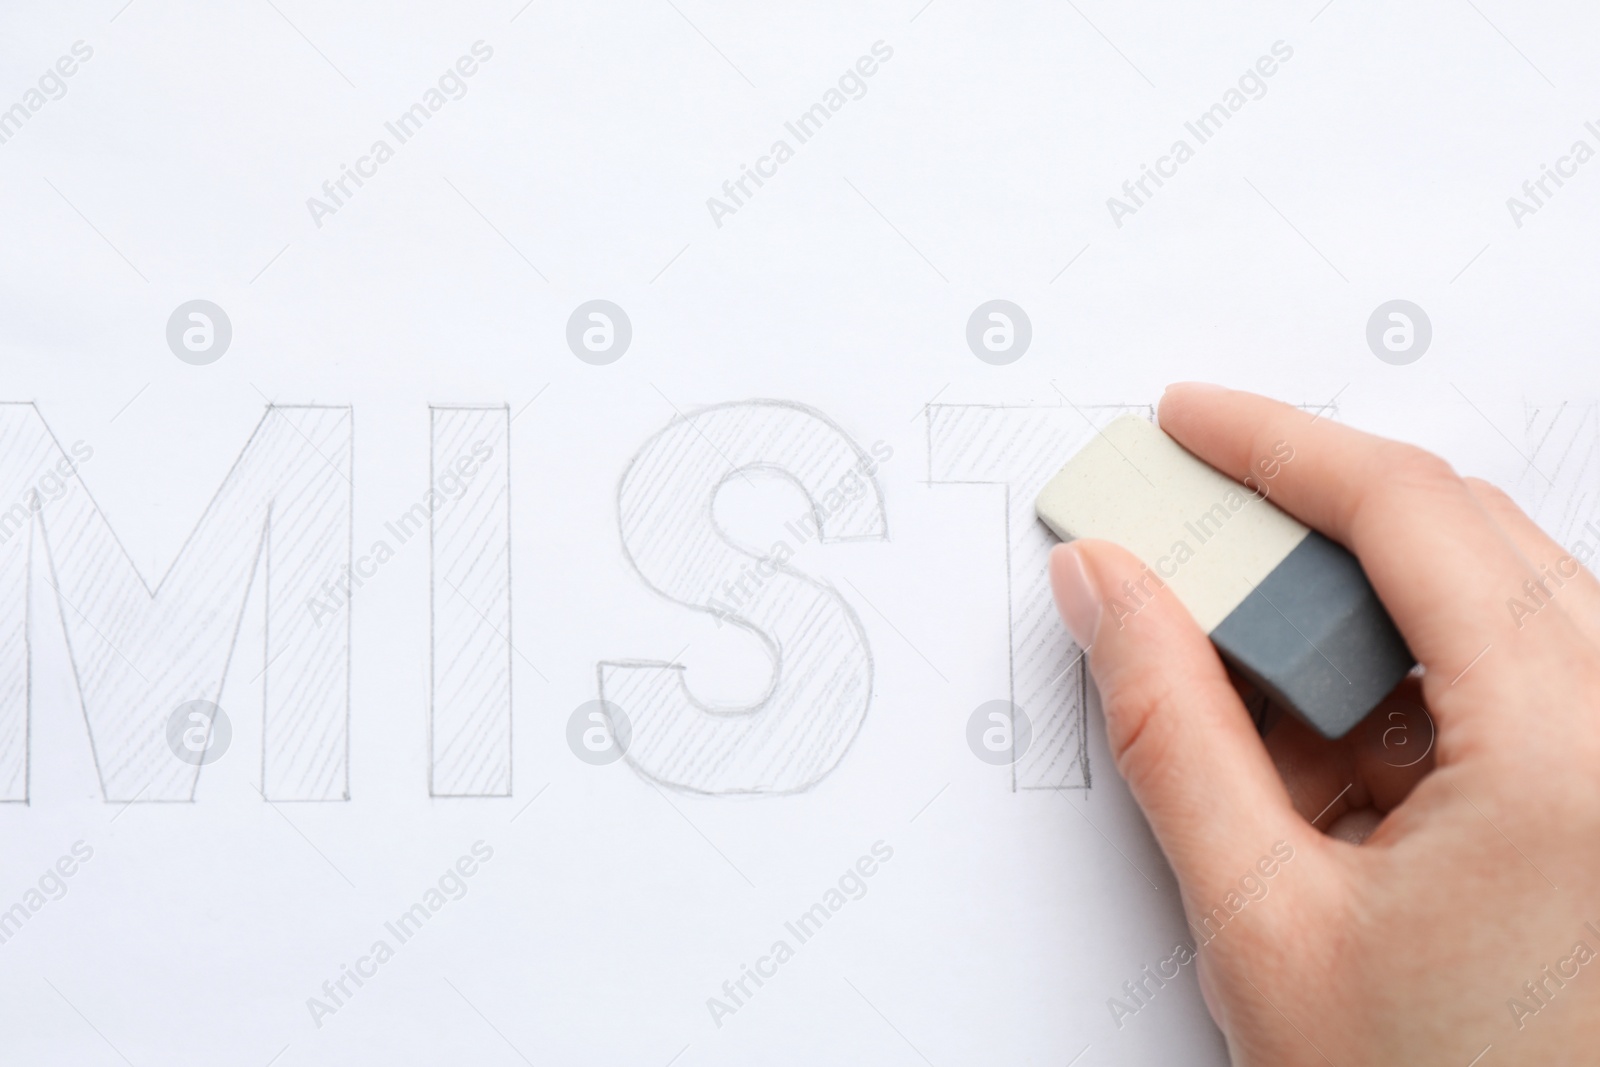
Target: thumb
{"points": [[1178, 731]]}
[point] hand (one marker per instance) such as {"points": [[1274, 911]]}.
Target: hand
{"points": [[1469, 913]]}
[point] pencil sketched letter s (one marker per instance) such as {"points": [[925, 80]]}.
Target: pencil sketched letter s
{"points": [[280, 521], [821, 664]]}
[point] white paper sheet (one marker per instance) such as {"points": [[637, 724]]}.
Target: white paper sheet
{"points": [[797, 438]]}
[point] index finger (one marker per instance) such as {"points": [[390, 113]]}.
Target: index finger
{"points": [[1441, 565]]}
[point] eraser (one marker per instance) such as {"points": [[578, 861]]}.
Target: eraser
{"points": [[1288, 609]]}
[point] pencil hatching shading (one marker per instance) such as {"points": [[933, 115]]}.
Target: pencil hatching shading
{"points": [[1018, 449], [280, 522], [1557, 484], [822, 664], [470, 677]]}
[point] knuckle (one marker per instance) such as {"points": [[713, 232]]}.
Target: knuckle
{"points": [[1413, 467], [1398, 474], [1136, 729], [1492, 496], [1485, 489]]}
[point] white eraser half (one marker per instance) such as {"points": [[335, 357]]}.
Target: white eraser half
{"points": [[1208, 537]]}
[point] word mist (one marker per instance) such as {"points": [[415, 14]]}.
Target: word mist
{"points": [[281, 519]]}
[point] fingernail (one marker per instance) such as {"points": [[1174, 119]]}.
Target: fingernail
{"points": [[1076, 597]]}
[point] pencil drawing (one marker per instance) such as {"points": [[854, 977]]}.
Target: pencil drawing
{"points": [[469, 723], [821, 663], [1016, 449], [280, 522], [1558, 482]]}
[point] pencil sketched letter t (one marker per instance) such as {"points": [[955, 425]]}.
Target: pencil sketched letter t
{"points": [[821, 664]]}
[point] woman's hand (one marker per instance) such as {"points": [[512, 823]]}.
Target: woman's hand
{"points": [[1469, 916]]}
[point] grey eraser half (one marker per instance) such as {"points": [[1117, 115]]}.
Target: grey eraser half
{"points": [[1287, 608]]}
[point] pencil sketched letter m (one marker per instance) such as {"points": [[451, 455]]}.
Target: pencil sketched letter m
{"points": [[279, 524], [821, 665]]}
